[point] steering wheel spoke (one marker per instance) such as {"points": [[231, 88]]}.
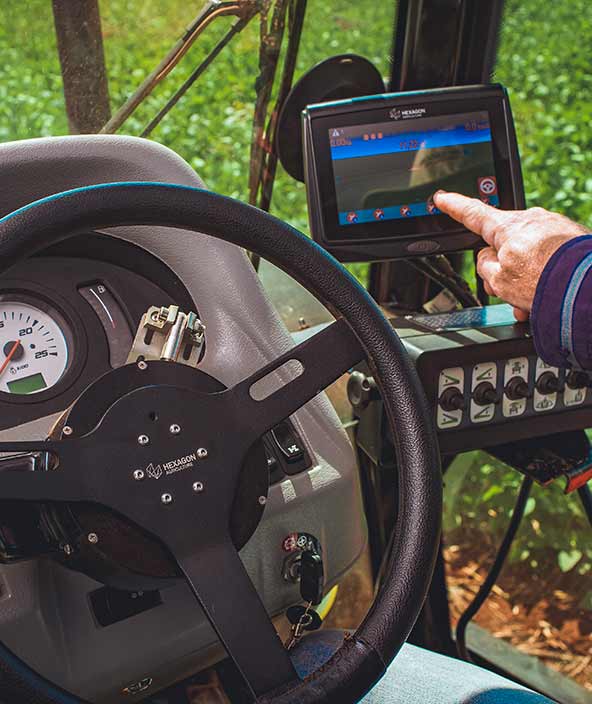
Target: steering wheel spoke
{"points": [[232, 605], [58, 482], [323, 358]]}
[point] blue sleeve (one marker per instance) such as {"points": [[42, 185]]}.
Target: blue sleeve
{"points": [[561, 317]]}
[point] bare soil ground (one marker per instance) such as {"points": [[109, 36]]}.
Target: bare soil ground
{"points": [[538, 612]]}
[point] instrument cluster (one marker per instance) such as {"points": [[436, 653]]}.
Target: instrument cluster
{"points": [[66, 319]]}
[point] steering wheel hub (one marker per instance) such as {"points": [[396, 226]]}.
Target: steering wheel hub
{"points": [[167, 439]]}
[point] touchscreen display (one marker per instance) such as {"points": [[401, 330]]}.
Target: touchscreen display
{"points": [[390, 170]]}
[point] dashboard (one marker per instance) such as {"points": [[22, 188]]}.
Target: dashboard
{"points": [[89, 294], [67, 317]]}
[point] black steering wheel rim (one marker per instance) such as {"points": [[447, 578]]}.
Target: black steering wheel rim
{"points": [[363, 658]]}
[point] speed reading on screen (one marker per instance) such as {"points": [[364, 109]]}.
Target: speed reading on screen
{"points": [[34, 352]]}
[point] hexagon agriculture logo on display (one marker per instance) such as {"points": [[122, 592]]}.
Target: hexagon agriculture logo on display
{"points": [[406, 113]]}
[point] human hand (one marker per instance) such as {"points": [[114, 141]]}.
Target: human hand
{"points": [[521, 242]]}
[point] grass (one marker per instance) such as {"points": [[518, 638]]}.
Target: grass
{"points": [[211, 127], [544, 60]]}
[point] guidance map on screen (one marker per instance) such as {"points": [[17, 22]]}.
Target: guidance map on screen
{"points": [[390, 170]]}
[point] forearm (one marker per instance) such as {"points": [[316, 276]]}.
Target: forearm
{"points": [[561, 315]]}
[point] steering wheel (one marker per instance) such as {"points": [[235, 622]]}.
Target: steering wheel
{"points": [[97, 465]]}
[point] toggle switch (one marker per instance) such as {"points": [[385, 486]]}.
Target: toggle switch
{"points": [[516, 389]]}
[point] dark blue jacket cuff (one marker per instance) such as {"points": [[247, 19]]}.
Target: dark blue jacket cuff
{"points": [[561, 317]]}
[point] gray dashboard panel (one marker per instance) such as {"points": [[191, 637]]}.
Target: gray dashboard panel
{"points": [[44, 614]]}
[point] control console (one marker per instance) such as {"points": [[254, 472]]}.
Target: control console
{"points": [[485, 382]]}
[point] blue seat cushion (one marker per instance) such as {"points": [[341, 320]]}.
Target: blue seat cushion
{"points": [[419, 676]]}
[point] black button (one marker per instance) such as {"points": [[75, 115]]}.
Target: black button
{"points": [[288, 442], [577, 380]]}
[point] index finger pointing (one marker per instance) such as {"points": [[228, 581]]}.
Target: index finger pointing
{"points": [[475, 215]]}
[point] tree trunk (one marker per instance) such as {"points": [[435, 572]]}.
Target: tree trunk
{"points": [[80, 48]]}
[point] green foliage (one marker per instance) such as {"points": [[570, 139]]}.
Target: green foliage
{"points": [[211, 127], [544, 59], [480, 493]]}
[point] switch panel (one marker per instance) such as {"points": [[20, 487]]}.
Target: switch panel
{"points": [[504, 391], [485, 381], [520, 385]]}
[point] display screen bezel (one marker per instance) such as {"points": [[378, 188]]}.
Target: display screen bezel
{"points": [[413, 228]]}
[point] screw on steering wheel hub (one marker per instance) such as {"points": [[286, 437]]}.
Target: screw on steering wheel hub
{"points": [[149, 403]]}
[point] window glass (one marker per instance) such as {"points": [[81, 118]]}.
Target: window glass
{"points": [[336, 27], [537, 623], [211, 126], [31, 98], [544, 60]]}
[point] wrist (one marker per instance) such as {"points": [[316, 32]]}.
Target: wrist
{"points": [[563, 297]]}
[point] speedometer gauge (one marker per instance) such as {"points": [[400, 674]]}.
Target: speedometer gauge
{"points": [[34, 352]]}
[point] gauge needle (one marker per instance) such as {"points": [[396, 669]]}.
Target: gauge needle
{"points": [[13, 349]]}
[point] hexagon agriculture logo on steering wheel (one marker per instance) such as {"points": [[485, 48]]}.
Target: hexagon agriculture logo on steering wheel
{"points": [[154, 472]]}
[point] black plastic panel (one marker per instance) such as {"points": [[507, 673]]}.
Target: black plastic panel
{"points": [[111, 606]]}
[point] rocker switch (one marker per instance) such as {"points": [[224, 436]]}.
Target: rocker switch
{"points": [[288, 442]]}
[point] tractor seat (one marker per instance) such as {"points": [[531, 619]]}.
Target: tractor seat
{"points": [[419, 676]]}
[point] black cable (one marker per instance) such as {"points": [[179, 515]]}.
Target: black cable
{"points": [[482, 294], [496, 568], [586, 499], [455, 284]]}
